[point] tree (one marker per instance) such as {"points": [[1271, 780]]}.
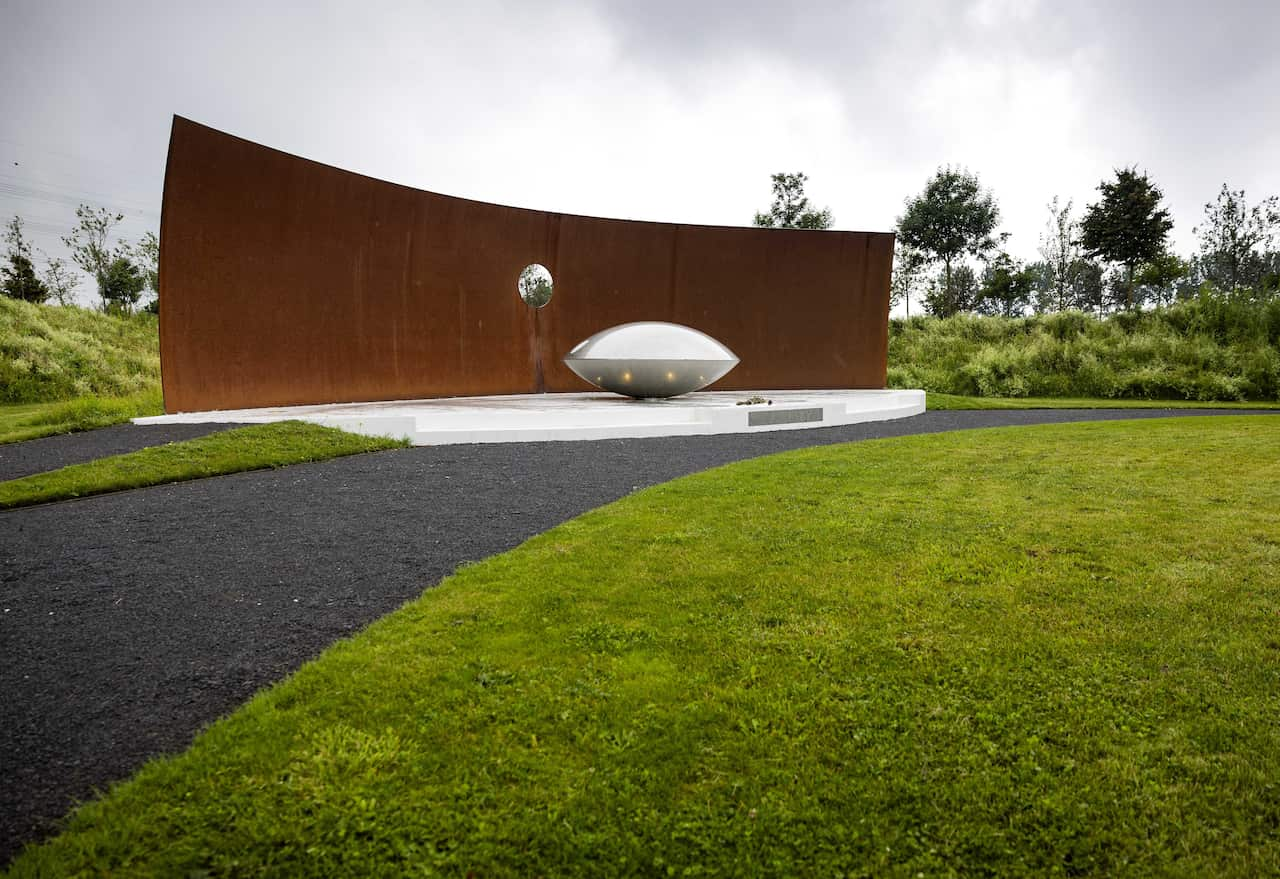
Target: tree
{"points": [[122, 285], [1044, 295], [1269, 284], [791, 208], [1060, 247], [1118, 293], [18, 278], [90, 246], [1158, 279], [1087, 286], [945, 300], [1006, 287], [909, 267], [1127, 226], [61, 281], [148, 253], [952, 218], [1235, 239]]}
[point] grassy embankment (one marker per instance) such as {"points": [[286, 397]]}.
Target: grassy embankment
{"points": [[1032, 651], [1201, 350], [66, 369], [256, 447], [955, 401]]}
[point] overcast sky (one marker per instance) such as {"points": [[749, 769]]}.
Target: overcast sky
{"points": [[650, 109]]}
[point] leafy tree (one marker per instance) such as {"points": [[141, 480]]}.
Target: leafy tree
{"points": [[148, 253], [90, 245], [791, 208], [1087, 288], [1044, 295], [16, 238], [1006, 287], [61, 281], [1235, 239], [946, 299], [122, 285], [1127, 226], [1158, 278], [1060, 247], [1269, 283], [18, 279], [952, 218], [1119, 294], [909, 267]]}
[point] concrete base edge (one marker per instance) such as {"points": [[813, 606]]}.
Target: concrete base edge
{"points": [[586, 416]]}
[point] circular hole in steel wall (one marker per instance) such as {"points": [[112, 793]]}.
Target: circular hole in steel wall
{"points": [[535, 285]]}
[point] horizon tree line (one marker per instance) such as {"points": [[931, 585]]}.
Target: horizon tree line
{"points": [[121, 271], [1114, 256]]}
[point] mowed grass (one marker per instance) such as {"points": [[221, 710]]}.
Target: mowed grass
{"points": [[955, 401], [26, 421], [1031, 651], [255, 447]]}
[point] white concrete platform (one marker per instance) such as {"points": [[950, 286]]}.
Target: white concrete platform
{"points": [[586, 416]]}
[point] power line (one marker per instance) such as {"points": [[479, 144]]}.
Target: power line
{"points": [[68, 221], [45, 228], [82, 158], [17, 190]]}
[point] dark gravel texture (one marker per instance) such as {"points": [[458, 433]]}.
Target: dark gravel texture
{"points": [[50, 453], [130, 621]]}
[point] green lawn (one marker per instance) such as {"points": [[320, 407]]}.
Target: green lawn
{"points": [[25, 421], [1030, 651], [245, 448], [953, 401]]}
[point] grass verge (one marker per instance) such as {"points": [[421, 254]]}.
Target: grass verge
{"points": [[246, 448], [954, 401], [1002, 652], [26, 421]]}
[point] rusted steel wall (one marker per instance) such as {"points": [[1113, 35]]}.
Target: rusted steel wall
{"points": [[284, 281]]}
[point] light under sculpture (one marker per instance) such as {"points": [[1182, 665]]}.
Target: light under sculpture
{"points": [[650, 359]]}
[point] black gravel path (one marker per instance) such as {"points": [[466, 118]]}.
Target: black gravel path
{"points": [[129, 621], [50, 453]]}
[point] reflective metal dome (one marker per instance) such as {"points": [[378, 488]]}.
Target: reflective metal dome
{"points": [[650, 359]]}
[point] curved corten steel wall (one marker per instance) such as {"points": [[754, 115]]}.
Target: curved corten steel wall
{"points": [[284, 281]]}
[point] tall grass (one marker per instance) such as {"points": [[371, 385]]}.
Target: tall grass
{"points": [[50, 353], [1203, 349]]}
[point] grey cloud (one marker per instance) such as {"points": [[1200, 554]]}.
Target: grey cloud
{"points": [[407, 90]]}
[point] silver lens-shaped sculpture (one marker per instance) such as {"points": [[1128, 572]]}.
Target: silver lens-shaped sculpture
{"points": [[650, 359]]}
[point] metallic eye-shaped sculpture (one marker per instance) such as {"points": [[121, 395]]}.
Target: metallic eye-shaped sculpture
{"points": [[650, 359]]}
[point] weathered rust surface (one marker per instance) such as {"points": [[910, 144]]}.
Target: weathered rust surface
{"points": [[285, 281]]}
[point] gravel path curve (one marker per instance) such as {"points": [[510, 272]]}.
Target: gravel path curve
{"points": [[51, 452], [129, 621]]}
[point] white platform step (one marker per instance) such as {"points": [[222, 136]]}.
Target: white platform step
{"points": [[586, 416]]}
